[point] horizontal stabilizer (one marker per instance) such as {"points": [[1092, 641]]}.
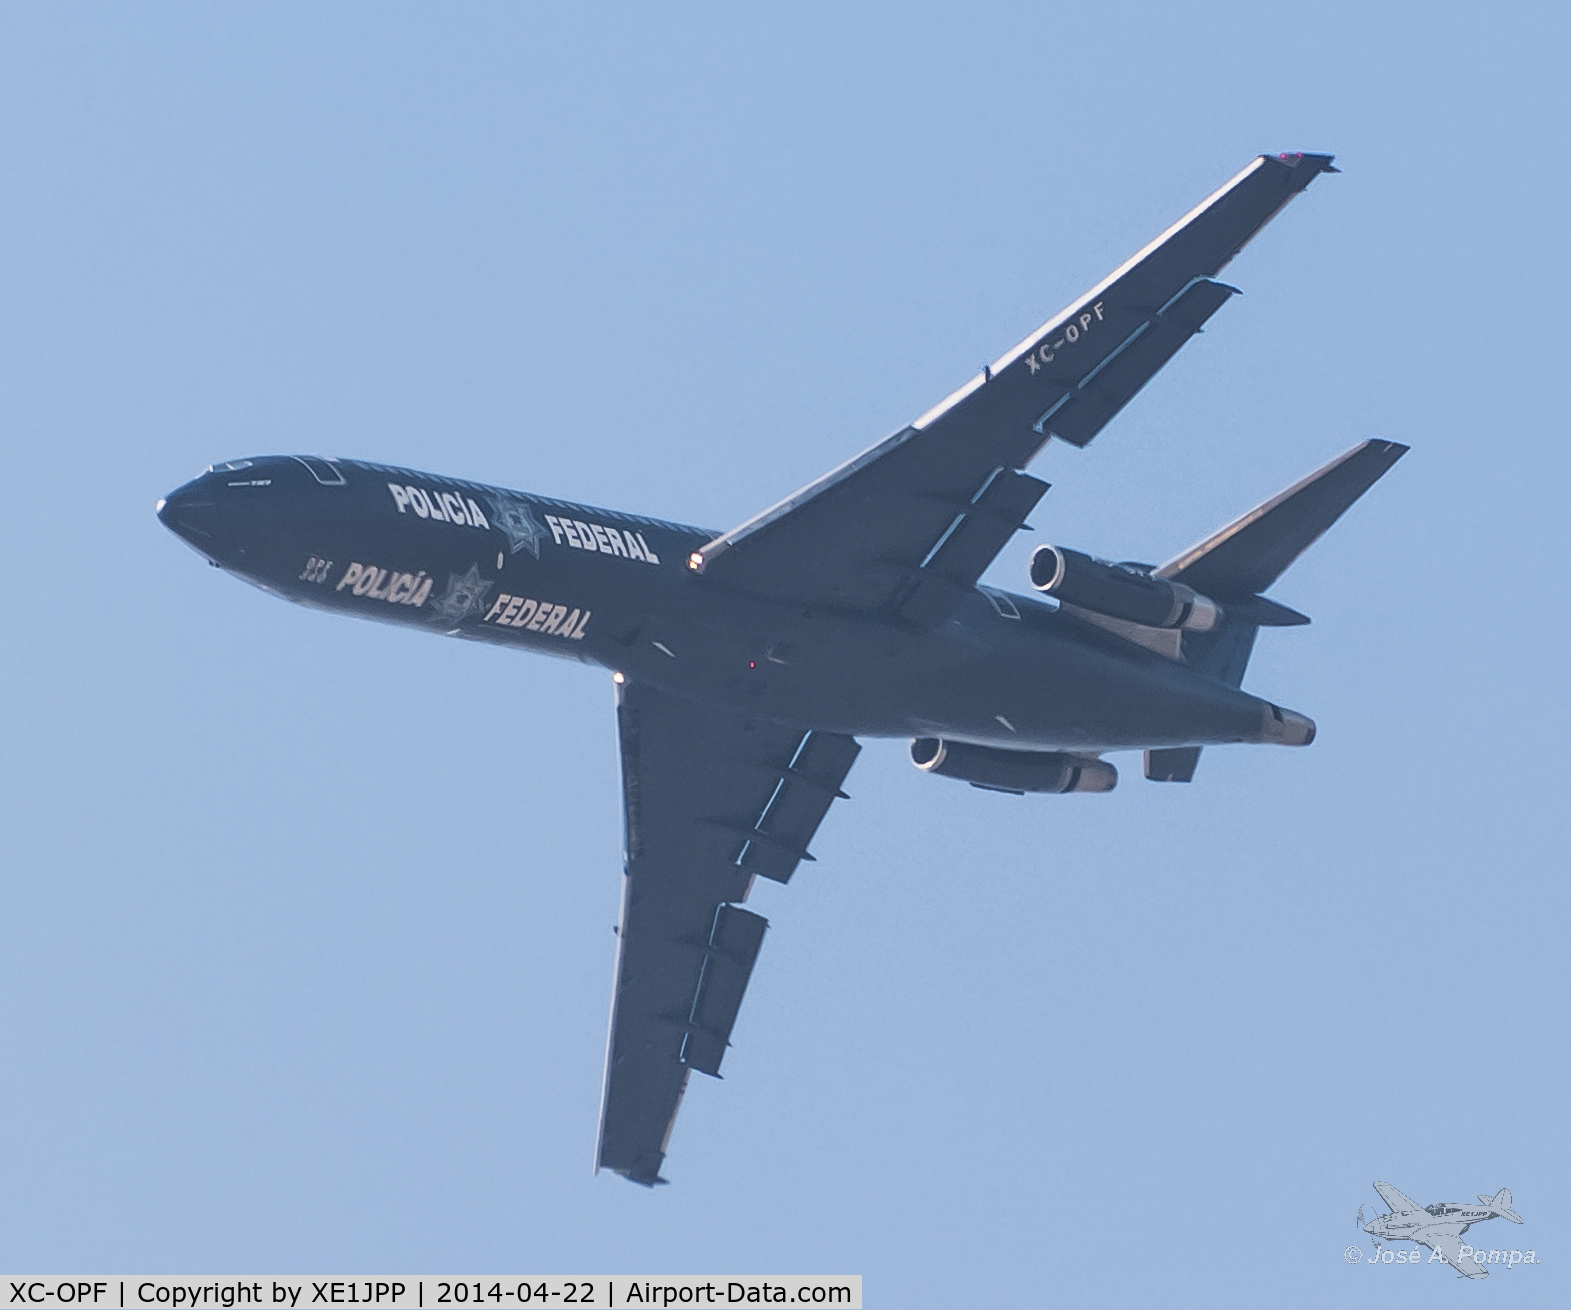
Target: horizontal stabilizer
{"points": [[1250, 553], [1172, 764], [1500, 1203]]}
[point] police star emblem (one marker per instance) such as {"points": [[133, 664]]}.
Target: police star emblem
{"points": [[465, 595], [522, 528]]}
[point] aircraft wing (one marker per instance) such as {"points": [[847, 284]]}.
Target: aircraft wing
{"points": [[1399, 1203], [711, 800], [907, 527], [1446, 1241]]}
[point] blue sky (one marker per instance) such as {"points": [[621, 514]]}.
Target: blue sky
{"points": [[308, 923]]}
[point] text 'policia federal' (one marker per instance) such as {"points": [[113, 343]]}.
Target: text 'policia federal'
{"points": [[748, 663]]}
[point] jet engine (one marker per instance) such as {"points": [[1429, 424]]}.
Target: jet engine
{"points": [[993, 769], [1120, 591]]}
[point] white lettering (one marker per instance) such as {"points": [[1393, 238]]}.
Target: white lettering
{"points": [[648, 554], [384, 584], [419, 503], [586, 535], [476, 518], [571, 533], [400, 496], [556, 528], [634, 550], [525, 614]]}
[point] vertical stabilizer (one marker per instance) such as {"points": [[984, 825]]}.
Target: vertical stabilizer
{"points": [[1234, 565]]}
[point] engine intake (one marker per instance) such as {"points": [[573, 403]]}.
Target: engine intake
{"points": [[1120, 592], [994, 769]]}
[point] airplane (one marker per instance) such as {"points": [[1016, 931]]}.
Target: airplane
{"points": [[747, 663], [1439, 1226]]}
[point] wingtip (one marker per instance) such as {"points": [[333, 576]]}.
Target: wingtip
{"points": [[1297, 158], [1307, 166]]}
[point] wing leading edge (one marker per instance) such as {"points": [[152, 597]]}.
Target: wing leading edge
{"points": [[710, 801], [906, 527], [1399, 1202]]}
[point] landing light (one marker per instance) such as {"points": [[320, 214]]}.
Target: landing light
{"points": [[695, 561]]}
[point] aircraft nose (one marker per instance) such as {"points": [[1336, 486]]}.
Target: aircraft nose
{"points": [[189, 512]]}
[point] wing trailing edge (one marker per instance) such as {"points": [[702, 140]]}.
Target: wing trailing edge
{"points": [[711, 798], [877, 535]]}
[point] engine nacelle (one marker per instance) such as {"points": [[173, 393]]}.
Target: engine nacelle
{"points": [[1120, 592], [1014, 771]]}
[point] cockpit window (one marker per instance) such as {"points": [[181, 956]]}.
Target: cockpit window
{"points": [[233, 466], [325, 471]]}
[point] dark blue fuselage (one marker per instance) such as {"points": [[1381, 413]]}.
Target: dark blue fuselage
{"points": [[611, 589]]}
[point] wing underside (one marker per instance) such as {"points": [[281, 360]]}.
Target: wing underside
{"points": [[711, 800], [907, 527], [1399, 1203], [1447, 1244]]}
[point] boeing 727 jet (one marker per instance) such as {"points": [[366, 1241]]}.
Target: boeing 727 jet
{"points": [[747, 663]]}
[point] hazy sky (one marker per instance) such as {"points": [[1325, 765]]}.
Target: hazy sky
{"points": [[307, 923]]}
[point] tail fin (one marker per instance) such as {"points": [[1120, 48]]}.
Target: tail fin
{"points": [[1252, 552], [1233, 566], [1500, 1203]]}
